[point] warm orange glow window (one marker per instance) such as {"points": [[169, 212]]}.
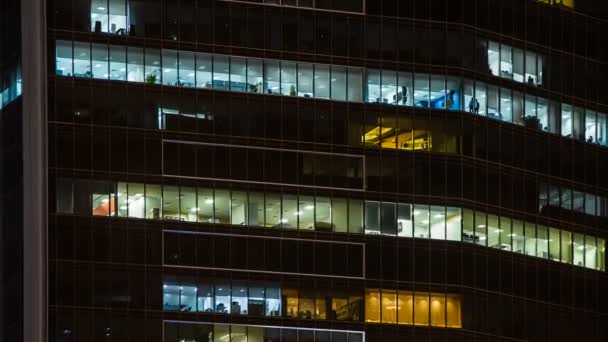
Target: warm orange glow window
{"points": [[413, 308]]}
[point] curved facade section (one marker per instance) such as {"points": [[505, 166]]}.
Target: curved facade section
{"points": [[327, 171]]}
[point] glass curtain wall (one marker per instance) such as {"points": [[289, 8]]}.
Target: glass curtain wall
{"points": [[290, 211], [339, 83]]}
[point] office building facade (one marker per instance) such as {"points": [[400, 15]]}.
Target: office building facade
{"points": [[317, 170]]}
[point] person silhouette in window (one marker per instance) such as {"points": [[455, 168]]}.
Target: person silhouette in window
{"points": [[530, 80], [472, 105], [404, 94], [476, 107]]}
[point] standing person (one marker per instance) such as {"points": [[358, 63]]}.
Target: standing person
{"points": [[476, 106], [472, 105]]}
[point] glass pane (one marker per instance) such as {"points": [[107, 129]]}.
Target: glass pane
{"points": [[518, 65], [169, 67], [505, 105], [481, 228], [389, 87], [453, 311], [289, 217], [542, 112], [372, 306], [222, 297], [136, 200], [480, 98], [255, 79], [542, 242], [554, 244], [421, 221], [187, 204], [321, 81], [255, 209], [288, 79], [405, 314], [99, 60], [506, 62], [238, 74], [99, 16], [578, 247], [468, 226], [493, 58], [306, 211], [186, 69], [355, 85], [389, 306], [205, 298], [153, 202], [438, 220], [205, 202], [438, 310], [221, 72], [273, 301], [421, 309], [602, 129], [152, 69], [305, 80], [530, 239], [135, 64], [404, 220], [372, 217], [601, 254], [118, 17], [531, 71], [517, 236], [505, 234], [340, 214], [438, 96], [493, 232], [171, 203], [222, 206], [323, 214], [373, 86], [238, 208], [590, 252], [338, 83], [566, 247], [203, 70], [453, 93], [387, 218], [238, 304], [590, 127], [493, 103], [453, 224], [355, 216], [63, 58], [273, 210], [122, 200], [422, 90]]}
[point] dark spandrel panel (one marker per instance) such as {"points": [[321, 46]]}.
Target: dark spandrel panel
{"points": [[182, 159], [296, 256]]}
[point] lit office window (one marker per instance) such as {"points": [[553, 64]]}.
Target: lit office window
{"points": [[118, 63], [109, 16], [494, 58], [186, 75], [290, 211], [64, 58], [305, 80], [99, 59], [239, 74], [204, 68], [135, 64], [412, 308]]}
